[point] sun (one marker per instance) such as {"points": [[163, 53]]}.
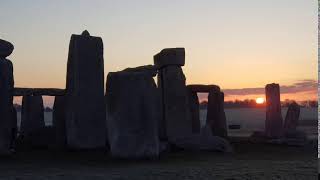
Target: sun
{"points": [[260, 100]]}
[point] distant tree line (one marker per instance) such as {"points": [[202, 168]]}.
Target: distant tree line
{"points": [[251, 103]]}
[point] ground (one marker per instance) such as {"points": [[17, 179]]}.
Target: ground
{"points": [[249, 161]]}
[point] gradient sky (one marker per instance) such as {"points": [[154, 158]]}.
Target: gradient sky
{"points": [[234, 44]]}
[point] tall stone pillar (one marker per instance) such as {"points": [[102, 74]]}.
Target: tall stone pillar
{"points": [[85, 106], [32, 115], [6, 98], [195, 112], [216, 118], [14, 128], [172, 82], [59, 121], [274, 122], [132, 103]]}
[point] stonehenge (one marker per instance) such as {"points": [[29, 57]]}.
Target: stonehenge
{"points": [[85, 106], [274, 122], [132, 108], [180, 122], [135, 117], [7, 116]]}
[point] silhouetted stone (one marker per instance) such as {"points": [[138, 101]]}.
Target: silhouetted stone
{"points": [[85, 106], [59, 121], [85, 33], [292, 117], [203, 88], [6, 102], [32, 115], [145, 69], [6, 48], [204, 141], [22, 92], [175, 106], [48, 92], [133, 112], [273, 124], [14, 129], [194, 109], [169, 56], [38, 92], [216, 118]]}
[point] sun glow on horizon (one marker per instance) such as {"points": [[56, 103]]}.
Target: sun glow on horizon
{"points": [[260, 100]]}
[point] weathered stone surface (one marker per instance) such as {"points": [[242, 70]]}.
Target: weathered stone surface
{"points": [[14, 128], [175, 105], [169, 56], [150, 69], [59, 121], [38, 92], [6, 105], [292, 117], [204, 141], [32, 115], [216, 118], [6, 48], [194, 109], [85, 106], [133, 112], [274, 122], [203, 88]]}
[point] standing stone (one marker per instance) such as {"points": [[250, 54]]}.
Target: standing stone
{"points": [[292, 117], [216, 118], [6, 49], [32, 115], [194, 109], [85, 107], [59, 121], [133, 113], [273, 124], [172, 82], [6, 98], [14, 128]]}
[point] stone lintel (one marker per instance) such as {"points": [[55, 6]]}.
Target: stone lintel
{"points": [[169, 56], [203, 88], [38, 92]]}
